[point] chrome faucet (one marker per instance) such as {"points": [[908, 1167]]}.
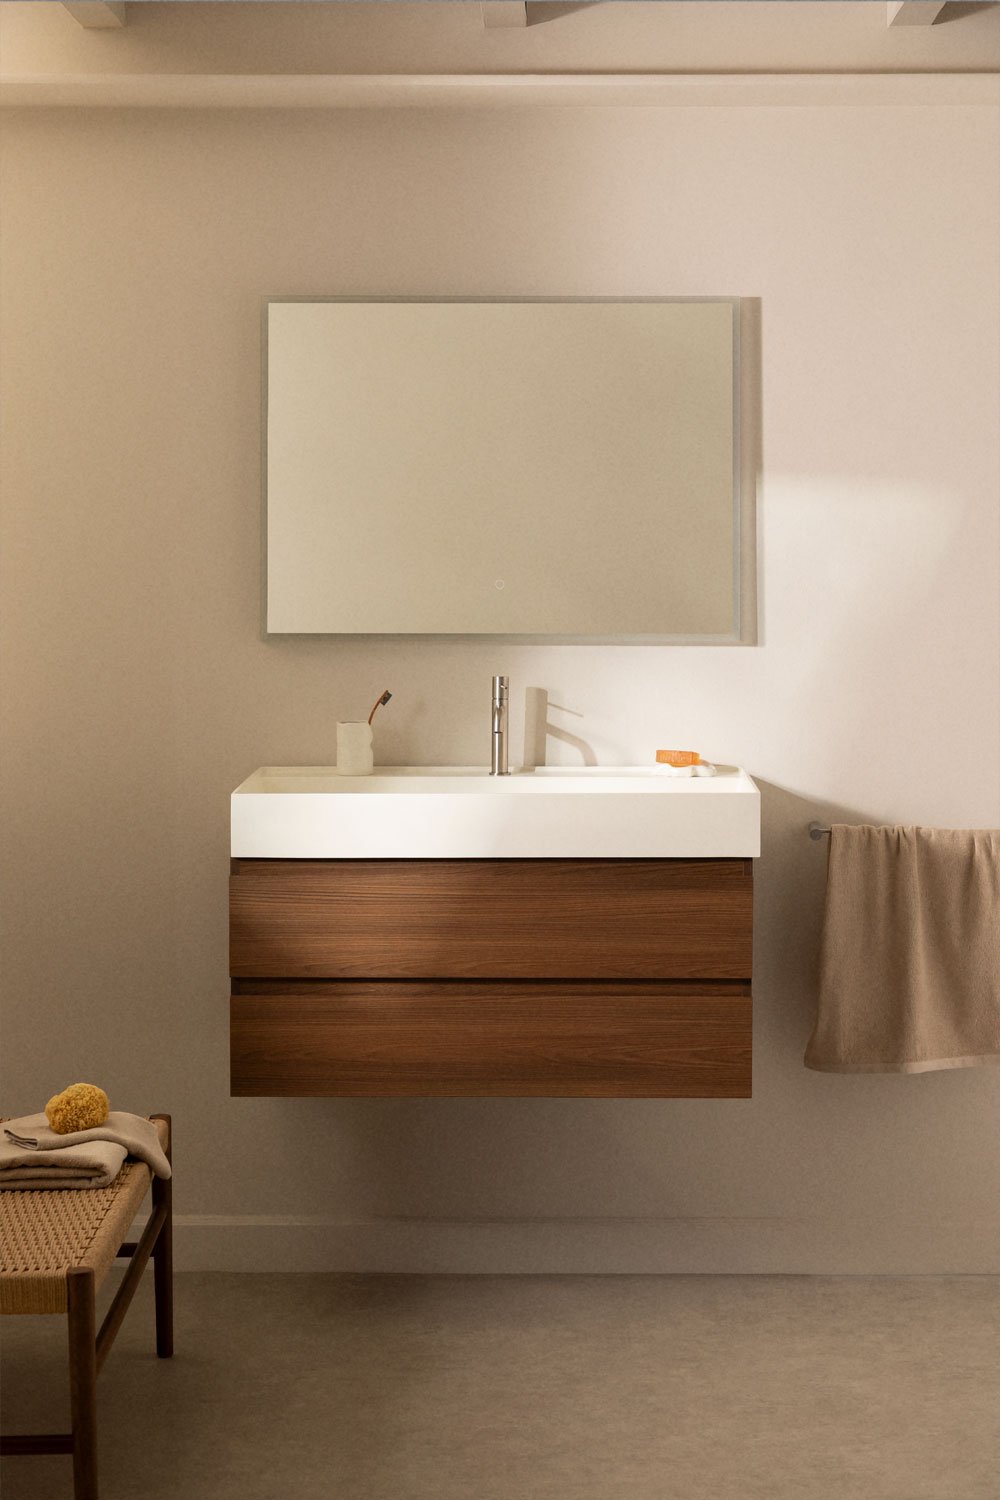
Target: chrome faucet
{"points": [[498, 731]]}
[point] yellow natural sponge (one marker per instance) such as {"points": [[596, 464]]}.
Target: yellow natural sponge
{"points": [[80, 1107]]}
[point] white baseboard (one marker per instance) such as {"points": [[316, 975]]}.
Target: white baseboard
{"points": [[713, 1246]]}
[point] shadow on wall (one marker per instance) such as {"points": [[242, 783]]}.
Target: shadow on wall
{"points": [[539, 728], [815, 1172], [546, 1160], [553, 10], [957, 10]]}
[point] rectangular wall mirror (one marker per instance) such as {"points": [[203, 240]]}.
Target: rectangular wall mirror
{"points": [[537, 468]]}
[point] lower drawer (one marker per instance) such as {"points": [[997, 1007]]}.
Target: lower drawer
{"points": [[686, 1039]]}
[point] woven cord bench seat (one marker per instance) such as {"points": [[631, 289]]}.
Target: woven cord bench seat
{"points": [[43, 1233], [56, 1247]]}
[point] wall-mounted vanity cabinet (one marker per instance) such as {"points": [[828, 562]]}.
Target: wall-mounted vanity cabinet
{"points": [[601, 976]]}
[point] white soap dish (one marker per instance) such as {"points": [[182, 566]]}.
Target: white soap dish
{"points": [[703, 768]]}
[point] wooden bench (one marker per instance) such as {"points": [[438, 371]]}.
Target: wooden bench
{"points": [[56, 1248]]}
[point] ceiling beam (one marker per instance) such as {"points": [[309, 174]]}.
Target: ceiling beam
{"points": [[100, 15], [913, 12], [498, 13]]}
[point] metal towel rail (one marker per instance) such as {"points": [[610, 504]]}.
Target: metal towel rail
{"points": [[818, 831]]}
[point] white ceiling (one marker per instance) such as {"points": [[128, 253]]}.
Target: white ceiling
{"points": [[448, 36]]}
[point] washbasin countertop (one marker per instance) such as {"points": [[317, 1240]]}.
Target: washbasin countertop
{"points": [[461, 812]]}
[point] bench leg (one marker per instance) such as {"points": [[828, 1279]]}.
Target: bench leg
{"points": [[163, 1275], [163, 1260], [82, 1380]]}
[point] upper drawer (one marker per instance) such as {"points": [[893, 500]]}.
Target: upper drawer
{"points": [[500, 919]]}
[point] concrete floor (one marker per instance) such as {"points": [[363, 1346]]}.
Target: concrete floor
{"points": [[546, 1388]]}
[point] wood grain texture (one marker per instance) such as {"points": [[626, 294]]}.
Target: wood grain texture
{"points": [[598, 1040], [491, 919]]}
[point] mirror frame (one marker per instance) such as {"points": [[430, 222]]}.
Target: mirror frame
{"points": [[743, 630]]}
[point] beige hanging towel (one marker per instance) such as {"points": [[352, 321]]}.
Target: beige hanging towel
{"points": [[910, 958]]}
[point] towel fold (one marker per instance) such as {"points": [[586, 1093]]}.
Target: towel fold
{"points": [[33, 1135], [910, 957], [94, 1164]]}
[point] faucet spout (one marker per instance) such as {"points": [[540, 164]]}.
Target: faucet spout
{"points": [[498, 728]]}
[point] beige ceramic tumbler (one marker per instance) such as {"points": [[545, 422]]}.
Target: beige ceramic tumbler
{"points": [[354, 749]]}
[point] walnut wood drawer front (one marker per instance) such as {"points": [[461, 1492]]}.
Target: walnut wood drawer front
{"points": [[598, 1040], [491, 919]]}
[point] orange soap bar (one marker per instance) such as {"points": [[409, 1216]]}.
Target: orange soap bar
{"points": [[678, 758]]}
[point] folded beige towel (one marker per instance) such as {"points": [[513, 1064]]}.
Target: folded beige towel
{"points": [[137, 1136], [94, 1164], [910, 959]]}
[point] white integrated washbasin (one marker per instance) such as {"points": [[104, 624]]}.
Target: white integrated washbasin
{"points": [[461, 812]]}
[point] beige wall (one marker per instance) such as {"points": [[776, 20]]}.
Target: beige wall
{"points": [[139, 692]]}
